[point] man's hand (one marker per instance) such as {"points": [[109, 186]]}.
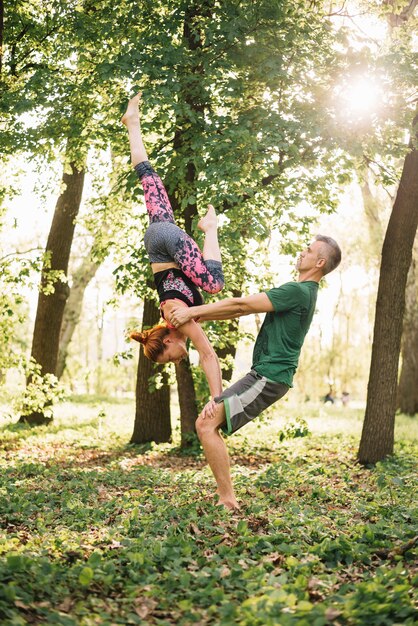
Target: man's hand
{"points": [[209, 410], [179, 315]]}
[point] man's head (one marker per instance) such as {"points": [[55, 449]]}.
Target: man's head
{"points": [[320, 258], [330, 251]]}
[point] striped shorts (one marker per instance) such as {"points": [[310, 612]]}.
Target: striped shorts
{"points": [[247, 398]]}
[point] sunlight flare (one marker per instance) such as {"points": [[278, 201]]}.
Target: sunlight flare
{"points": [[361, 98]]}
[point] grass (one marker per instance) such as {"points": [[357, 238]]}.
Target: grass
{"points": [[95, 531]]}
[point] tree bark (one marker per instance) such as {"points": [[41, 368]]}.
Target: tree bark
{"points": [[193, 37], [372, 210], [377, 439], [50, 309], [408, 381], [187, 402], [1, 34], [81, 278], [230, 349], [398, 19], [152, 415]]}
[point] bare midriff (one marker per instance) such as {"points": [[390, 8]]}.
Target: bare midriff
{"points": [[160, 267]]}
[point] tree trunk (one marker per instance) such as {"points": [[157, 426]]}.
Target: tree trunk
{"points": [[408, 381], [228, 350], [81, 278], [400, 14], [50, 309], [187, 402], [99, 348], [193, 37], [377, 439], [230, 347], [152, 415], [1, 34], [372, 209], [83, 275]]}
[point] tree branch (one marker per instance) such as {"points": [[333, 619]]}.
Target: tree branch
{"points": [[15, 254], [391, 553]]}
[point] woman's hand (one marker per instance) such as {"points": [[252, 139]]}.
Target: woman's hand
{"points": [[209, 410]]}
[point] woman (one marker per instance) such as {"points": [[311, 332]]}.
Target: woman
{"points": [[179, 267]]}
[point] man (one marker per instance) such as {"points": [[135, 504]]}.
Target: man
{"points": [[289, 309]]}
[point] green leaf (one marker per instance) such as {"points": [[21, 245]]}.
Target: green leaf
{"points": [[86, 576]]}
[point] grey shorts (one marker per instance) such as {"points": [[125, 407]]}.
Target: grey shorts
{"points": [[247, 398]]}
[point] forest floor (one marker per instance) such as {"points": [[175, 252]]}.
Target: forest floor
{"points": [[94, 531]]}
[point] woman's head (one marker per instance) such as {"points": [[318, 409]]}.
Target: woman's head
{"points": [[162, 344]]}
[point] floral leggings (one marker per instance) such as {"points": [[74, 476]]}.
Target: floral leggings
{"points": [[165, 242]]}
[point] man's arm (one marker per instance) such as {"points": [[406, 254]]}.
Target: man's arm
{"points": [[222, 310]]}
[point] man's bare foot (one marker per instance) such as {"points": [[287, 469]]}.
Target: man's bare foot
{"points": [[231, 505], [230, 502], [209, 220], [132, 111]]}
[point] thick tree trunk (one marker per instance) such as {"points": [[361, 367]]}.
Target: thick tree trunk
{"points": [[152, 415], [408, 381], [50, 309], [81, 278], [377, 438]]}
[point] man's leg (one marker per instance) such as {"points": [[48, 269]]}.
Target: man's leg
{"points": [[217, 455]]}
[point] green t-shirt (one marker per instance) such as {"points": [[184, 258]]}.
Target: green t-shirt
{"points": [[279, 342]]}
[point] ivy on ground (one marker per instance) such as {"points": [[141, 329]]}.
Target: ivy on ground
{"points": [[97, 532]]}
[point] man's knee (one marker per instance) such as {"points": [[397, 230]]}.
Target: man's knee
{"points": [[205, 425]]}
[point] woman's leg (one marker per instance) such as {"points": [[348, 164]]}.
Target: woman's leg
{"points": [[203, 269], [131, 121], [209, 225], [156, 199]]}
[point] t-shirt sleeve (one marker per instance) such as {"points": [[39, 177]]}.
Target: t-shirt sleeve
{"points": [[286, 297]]}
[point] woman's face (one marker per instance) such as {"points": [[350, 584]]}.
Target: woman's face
{"points": [[175, 348]]}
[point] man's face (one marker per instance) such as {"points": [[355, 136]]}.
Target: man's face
{"points": [[308, 258]]}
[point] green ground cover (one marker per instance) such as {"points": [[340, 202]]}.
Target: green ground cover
{"points": [[94, 531]]}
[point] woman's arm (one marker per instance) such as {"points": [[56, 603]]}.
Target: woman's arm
{"points": [[208, 360]]}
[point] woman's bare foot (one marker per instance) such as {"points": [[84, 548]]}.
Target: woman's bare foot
{"points": [[209, 221], [132, 111]]}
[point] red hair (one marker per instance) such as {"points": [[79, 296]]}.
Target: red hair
{"points": [[152, 340]]}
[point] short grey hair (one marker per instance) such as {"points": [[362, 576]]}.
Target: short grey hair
{"points": [[331, 251]]}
